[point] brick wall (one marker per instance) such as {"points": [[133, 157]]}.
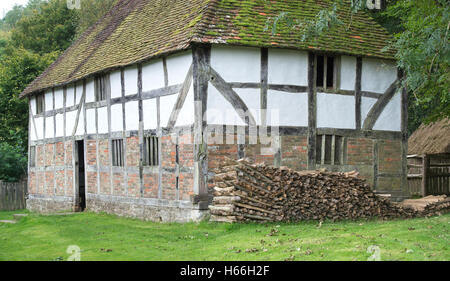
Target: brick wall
{"points": [[294, 152]]}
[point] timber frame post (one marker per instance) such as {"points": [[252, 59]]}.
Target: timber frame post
{"points": [[312, 110], [201, 70]]}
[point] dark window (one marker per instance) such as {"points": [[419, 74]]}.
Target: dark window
{"points": [[320, 71], [32, 156], [329, 150], [325, 71], [101, 87], [117, 153], [151, 151], [330, 72], [39, 103]]}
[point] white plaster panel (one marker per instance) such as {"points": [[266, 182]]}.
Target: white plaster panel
{"points": [[153, 76], [236, 64], [288, 67], [220, 111], [70, 96], [48, 100], [167, 104], [71, 117], [252, 98], [90, 91], [102, 115], [116, 84], [335, 111], [132, 116], [32, 132], [33, 105], [79, 92], [377, 75], [150, 114], [287, 109], [366, 106], [59, 118], [49, 128], [39, 127], [116, 118], [390, 118], [187, 112], [90, 121], [59, 98], [131, 80], [348, 73], [178, 66], [80, 125]]}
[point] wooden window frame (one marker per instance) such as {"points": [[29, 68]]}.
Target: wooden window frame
{"points": [[102, 87], [325, 79], [40, 103], [32, 156], [151, 151], [330, 150], [118, 154]]}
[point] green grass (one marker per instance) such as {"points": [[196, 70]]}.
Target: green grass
{"points": [[106, 237]]}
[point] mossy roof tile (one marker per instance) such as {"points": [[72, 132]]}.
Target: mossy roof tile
{"points": [[137, 30]]}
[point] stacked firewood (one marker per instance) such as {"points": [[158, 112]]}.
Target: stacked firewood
{"points": [[248, 192]]}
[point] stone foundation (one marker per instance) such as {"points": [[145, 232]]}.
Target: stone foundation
{"points": [[149, 209], [44, 204]]}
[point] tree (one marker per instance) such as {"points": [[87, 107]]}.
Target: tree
{"points": [[47, 27]]}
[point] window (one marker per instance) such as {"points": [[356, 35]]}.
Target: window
{"points": [[329, 150], [101, 87], [151, 151], [117, 153], [39, 103], [325, 71], [32, 156]]}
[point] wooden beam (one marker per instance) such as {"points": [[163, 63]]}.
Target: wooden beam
{"points": [[181, 99], [201, 65], [264, 84], [379, 106], [358, 92], [232, 97], [312, 109]]}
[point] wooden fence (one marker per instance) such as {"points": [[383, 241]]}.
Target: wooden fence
{"points": [[429, 174], [12, 195]]}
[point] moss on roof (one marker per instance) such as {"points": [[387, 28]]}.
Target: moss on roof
{"points": [[137, 30]]}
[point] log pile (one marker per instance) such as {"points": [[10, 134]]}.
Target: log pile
{"points": [[248, 192]]}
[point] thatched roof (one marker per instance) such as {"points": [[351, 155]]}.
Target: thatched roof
{"points": [[433, 138], [138, 30]]}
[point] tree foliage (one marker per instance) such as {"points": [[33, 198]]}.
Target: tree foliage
{"points": [[50, 26]]}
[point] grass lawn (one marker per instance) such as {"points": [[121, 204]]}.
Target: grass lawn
{"points": [[106, 237]]}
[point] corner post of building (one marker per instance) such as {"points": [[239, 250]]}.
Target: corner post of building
{"points": [[201, 60], [404, 128], [312, 110], [358, 92]]}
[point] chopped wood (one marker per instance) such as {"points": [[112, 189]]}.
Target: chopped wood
{"points": [[248, 192]]}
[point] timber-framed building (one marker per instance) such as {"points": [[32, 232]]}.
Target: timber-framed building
{"points": [[133, 118]]}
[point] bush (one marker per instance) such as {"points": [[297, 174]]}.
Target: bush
{"points": [[13, 162]]}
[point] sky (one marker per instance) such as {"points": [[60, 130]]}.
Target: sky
{"points": [[6, 5]]}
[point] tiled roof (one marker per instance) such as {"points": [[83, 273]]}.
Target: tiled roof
{"points": [[137, 30]]}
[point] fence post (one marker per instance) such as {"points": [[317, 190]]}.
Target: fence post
{"points": [[425, 167]]}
